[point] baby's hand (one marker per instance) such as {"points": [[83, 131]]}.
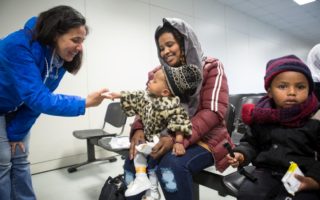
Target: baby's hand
{"points": [[111, 95], [307, 183], [236, 160], [178, 149]]}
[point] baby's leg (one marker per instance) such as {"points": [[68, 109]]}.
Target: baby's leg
{"points": [[153, 193], [141, 182]]}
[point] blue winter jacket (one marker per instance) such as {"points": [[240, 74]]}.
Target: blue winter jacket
{"points": [[24, 87]]}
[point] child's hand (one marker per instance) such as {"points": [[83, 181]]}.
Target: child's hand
{"points": [[95, 98], [111, 95], [178, 149], [307, 183], [237, 160]]}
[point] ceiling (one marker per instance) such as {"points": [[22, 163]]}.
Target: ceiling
{"points": [[301, 21]]}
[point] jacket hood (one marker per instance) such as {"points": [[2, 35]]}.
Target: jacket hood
{"points": [[193, 54]]}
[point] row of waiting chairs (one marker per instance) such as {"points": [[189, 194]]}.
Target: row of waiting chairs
{"points": [[225, 185]]}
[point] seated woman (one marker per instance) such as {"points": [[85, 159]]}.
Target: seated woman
{"points": [[177, 44]]}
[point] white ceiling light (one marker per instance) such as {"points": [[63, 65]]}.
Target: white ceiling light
{"points": [[302, 2]]}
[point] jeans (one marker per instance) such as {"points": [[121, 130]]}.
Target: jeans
{"points": [[175, 172], [15, 176]]}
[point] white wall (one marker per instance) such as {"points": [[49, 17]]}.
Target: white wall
{"points": [[120, 50]]}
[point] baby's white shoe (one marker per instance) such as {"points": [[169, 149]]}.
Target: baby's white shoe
{"points": [[140, 184]]}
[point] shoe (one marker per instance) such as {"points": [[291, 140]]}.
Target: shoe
{"points": [[140, 184], [152, 194]]}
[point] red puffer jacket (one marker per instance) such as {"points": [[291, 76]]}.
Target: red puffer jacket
{"points": [[208, 124]]}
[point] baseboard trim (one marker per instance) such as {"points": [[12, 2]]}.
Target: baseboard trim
{"points": [[64, 162]]}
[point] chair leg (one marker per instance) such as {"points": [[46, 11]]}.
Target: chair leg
{"points": [[91, 157], [90, 151], [210, 180], [196, 192]]}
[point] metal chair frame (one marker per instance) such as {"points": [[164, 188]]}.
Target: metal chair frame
{"points": [[115, 117]]}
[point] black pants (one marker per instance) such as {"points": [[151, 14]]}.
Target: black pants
{"points": [[269, 186]]}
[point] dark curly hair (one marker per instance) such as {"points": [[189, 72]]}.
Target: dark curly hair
{"points": [[58, 21]]}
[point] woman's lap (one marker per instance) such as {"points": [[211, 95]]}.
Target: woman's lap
{"points": [[175, 173]]}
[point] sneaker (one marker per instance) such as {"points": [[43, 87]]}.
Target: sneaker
{"points": [[140, 184], [152, 194]]}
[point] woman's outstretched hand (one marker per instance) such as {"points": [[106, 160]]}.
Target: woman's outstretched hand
{"points": [[164, 145], [95, 98], [112, 95]]}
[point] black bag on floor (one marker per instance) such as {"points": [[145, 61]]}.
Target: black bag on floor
{"points": [[113, 188]]}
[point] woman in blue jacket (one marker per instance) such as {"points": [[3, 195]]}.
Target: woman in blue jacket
{"points": [[33, 61]]}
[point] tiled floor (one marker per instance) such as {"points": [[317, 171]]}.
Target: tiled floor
{"points": [[86, 183]]}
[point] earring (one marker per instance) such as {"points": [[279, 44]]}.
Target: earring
{"points": [[183, 59]]}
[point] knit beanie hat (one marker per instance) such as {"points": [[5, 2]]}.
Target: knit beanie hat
{"points": [[286, 63], [183, 80]]}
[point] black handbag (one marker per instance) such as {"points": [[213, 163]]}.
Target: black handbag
{"points": [[113, 188]]}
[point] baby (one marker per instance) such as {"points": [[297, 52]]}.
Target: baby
{"points": [[160, 109]]}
